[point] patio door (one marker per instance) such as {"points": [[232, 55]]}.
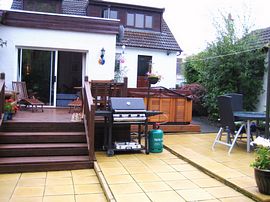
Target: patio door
{"points": [[37, 69], [51, 75]]}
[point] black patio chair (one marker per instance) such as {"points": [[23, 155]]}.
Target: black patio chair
{"points": [[227, 123], [237, 101]]}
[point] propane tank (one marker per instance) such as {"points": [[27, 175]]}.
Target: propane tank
{"points": [[156, 139]]}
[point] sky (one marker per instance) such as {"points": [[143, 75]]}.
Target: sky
{"points": [[191, 21]]}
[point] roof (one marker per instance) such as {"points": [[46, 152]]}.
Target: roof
{"points": [[144, 4], [260, 37], [70, 7], [163, 40]]}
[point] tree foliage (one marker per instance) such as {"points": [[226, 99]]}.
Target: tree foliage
{"points": [[228, 64]]}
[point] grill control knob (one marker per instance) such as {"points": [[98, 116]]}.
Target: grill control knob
{"points": [[129, 115], [120, 115], [138, 115]]}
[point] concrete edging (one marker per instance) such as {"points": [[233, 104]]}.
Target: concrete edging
{"points": [[104, 184]]}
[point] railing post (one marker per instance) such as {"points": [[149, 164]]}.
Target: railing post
{"points": [[125, 86], [86, 78], [2, 93]]}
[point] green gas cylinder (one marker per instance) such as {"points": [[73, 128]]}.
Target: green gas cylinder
{"points": [[156, 140]]}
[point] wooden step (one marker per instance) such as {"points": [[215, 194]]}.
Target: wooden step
{"points": [[42, 127], [47, 149], [30, 164], [42, 137]]}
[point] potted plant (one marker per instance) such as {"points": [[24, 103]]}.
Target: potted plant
{"points": [[153, 78], [10, 108], [261, 167]]}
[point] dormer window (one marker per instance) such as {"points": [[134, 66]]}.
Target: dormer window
{"points": [[139, 20], [48, 6], [109, 13]]}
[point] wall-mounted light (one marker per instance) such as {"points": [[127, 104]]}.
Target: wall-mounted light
{"points": [[168, 52], [101, 60], [3, 43]]}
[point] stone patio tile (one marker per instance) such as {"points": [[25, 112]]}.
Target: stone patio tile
{"points": [[145, 177], [165, 196], [196, 174], [88, 189], [171, 176], [25, 199], [65, 198], [28, 191], [154, 186], [222, 192], [117, 179], [141, 197], [126, 188], [182, 184], [197, 194], [58, 190], [91, 197]]}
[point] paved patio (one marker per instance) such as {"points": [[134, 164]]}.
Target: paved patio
{"points": [[192, 172]]}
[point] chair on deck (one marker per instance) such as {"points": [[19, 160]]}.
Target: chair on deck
{"points": [[23, 98], [227, 123]]}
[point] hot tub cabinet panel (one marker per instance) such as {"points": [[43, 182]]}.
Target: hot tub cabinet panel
{"points": [[175, 110], [176, 106]]}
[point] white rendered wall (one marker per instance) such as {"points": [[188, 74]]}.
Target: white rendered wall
{"points": [[89, 43], [164, 64], [261, 105]]}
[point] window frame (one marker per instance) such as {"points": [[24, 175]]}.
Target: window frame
{"points": [[135, 25], [109, 12]]}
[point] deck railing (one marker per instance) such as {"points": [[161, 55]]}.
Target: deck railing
{"points": [[89, 117], [2, 95]]}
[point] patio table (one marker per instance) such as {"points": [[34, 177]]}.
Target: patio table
{"points": [[249, 116]]}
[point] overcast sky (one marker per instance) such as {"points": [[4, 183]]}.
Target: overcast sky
{"points": [[191, 21]]}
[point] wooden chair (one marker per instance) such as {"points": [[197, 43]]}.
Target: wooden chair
{"points": [[23, 98]]}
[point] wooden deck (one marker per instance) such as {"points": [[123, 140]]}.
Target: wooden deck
{"points": [[49, 115], [62, 115]]}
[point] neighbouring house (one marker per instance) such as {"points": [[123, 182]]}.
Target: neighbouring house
{"points": [[262, 39], [54, 44]]}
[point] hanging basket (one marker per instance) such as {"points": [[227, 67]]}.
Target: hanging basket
{"points": [[153, 80]]}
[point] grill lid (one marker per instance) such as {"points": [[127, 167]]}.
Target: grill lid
{"points": [[127, 103]]}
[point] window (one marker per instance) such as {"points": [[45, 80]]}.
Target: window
{"points": [[52, 6], [130, 19], [148, 21], [139, 20], [108, 13]]}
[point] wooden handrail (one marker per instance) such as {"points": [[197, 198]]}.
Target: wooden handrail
{"points": [[89, 118], [2, 95]]}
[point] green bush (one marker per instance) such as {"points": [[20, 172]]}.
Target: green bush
{"points": [[226, 66]]}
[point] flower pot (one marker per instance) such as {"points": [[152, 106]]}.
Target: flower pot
{"points": [[153, 80], [262, 178]]}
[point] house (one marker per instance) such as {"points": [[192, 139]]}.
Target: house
{"points": [[54, 44], [262, 39]]}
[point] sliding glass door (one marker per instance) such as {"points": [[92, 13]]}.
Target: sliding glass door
{"points": [[51, 76], [37, 69]]}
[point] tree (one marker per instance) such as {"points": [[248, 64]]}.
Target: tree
{"points": [[229, 64]]}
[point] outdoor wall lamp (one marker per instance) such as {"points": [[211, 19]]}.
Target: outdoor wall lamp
{"points": [[101, 60]]}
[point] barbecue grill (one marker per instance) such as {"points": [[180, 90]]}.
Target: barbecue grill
{"points": [[126, 110]]}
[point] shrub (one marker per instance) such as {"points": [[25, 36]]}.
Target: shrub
{"points": [[197, 93]]}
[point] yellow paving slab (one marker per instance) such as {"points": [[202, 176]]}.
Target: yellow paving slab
{"points": [[54, 186], [233, 169]]}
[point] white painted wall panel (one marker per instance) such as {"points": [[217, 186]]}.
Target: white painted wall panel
{"points": [[162, 63], [89, 43]]}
